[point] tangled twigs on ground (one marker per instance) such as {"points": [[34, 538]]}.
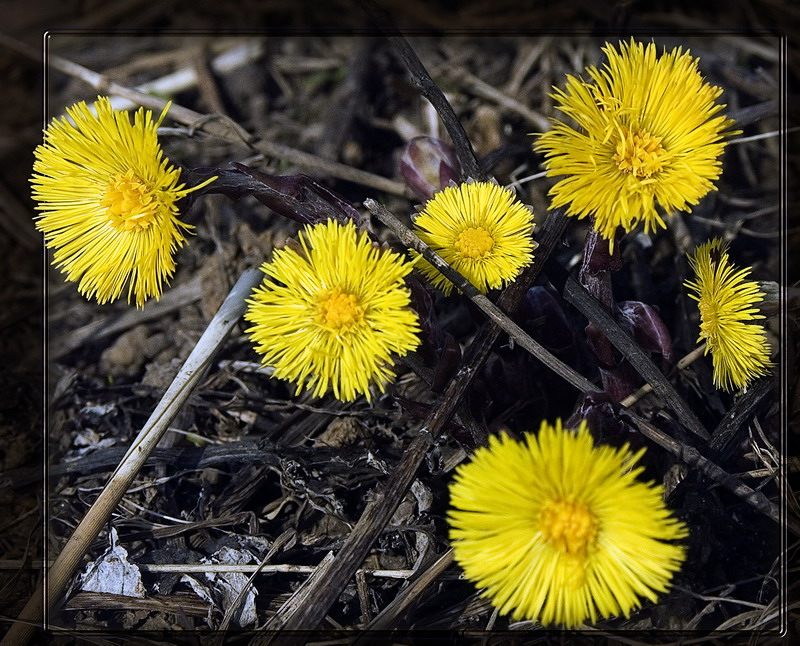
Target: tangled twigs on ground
{"points": [[323, 594], [422, 80], [70, 557], [222, 127], [694, 458]]}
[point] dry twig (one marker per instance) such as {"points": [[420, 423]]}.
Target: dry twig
{"points": [[379, 510], [170, 405], [216, 125]]}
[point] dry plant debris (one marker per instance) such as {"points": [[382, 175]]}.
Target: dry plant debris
{"points": [[271, 507]]}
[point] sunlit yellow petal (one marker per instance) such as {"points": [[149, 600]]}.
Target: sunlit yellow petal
{"points": [[107, 198], [331, 314], [646, 139], [481, 229], [728, 315], [558, 530]]}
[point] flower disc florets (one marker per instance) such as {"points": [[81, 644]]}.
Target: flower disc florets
{"points": [[558, 530], [645, 138], [108, 201], [333, 312]]}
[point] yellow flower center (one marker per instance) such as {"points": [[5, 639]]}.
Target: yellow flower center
{"points": [[639, 153], [130, 202], [569, 526], [474, 242], [339, 310]]}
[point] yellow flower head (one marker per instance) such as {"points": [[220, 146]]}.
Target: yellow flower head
{"points": [[647, 133], [330, 313], [107, 197], [738, 346], [481, 229], [557, 530]]}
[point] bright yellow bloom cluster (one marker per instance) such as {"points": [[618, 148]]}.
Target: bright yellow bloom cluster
{"points": [[481, 230], [558, 530], [107, 197], [727, 304], [647, 134], [330, 313]]}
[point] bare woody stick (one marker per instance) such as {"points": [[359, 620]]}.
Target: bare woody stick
{"points": [[190, 374], [379, 511], [686, 453], [428, 88], [321, 596], [216, 125], [495, 314], [421, 79]]}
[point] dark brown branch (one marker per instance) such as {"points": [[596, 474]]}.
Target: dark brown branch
{"points": [[428, 88], [378, 512], [693, 458], [422, 81], [242, 452], [497, 316], [587, 305], [726, 434]]}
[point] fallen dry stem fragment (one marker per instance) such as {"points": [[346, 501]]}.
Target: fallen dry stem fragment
{"points": [[189, 376], [684, 362], [216, 125], [386, 618], [724, 438], [222, 568]]}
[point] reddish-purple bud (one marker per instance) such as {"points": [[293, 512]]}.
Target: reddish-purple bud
{"points": [[648, 329], [428, 165], [604, 417], [297, 197]]}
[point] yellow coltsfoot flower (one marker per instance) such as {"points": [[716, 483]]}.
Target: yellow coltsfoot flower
{"points": [[481, 229], [727, 303], [647, 137], [332, 311], [557, 530], [107, 198]]}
